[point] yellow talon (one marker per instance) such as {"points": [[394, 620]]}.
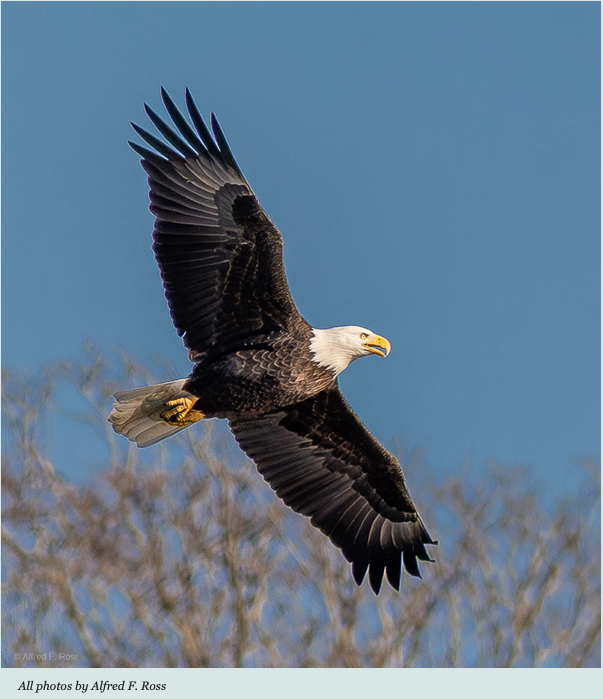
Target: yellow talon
{"points": [[181, 412]]}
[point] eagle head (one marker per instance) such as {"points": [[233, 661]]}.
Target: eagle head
{"points": [[337, 348]]}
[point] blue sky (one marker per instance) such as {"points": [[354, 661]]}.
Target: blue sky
{"points": [[434, 169]]}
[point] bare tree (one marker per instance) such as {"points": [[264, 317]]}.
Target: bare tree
{"points": [[181, 556]]}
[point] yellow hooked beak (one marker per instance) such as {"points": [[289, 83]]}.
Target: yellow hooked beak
{"points": [[377, 345]]}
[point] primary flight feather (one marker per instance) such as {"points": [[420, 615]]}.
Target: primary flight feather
{"points": [[257, 362]]}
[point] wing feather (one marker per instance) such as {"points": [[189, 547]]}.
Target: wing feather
{"points": [[323, 463], [199, 124], [170, 136]]}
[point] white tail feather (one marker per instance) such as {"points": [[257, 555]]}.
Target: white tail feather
{"points": [[136, 413]]}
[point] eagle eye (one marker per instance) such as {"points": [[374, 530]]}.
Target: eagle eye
{"points": [[363, 336]]}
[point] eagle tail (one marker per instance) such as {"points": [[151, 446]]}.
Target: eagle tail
{"points": [[149, 414]]}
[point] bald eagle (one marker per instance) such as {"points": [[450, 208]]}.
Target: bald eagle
{"points": [[257, 362]]}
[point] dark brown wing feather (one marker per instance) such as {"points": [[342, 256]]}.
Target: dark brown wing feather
{"points": [[220, 256], [323, 462]]}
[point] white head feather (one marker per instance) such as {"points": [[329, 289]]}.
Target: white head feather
{"points": [[337, 348]]}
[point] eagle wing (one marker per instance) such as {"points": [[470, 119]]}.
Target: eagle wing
{"points": [[323, 462], [220, 256]]}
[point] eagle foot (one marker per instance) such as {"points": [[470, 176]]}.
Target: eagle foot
{"points": [[180, 412]]}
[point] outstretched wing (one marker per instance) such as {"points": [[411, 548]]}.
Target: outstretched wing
{"points": [[220, 256], [323, 462]]}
